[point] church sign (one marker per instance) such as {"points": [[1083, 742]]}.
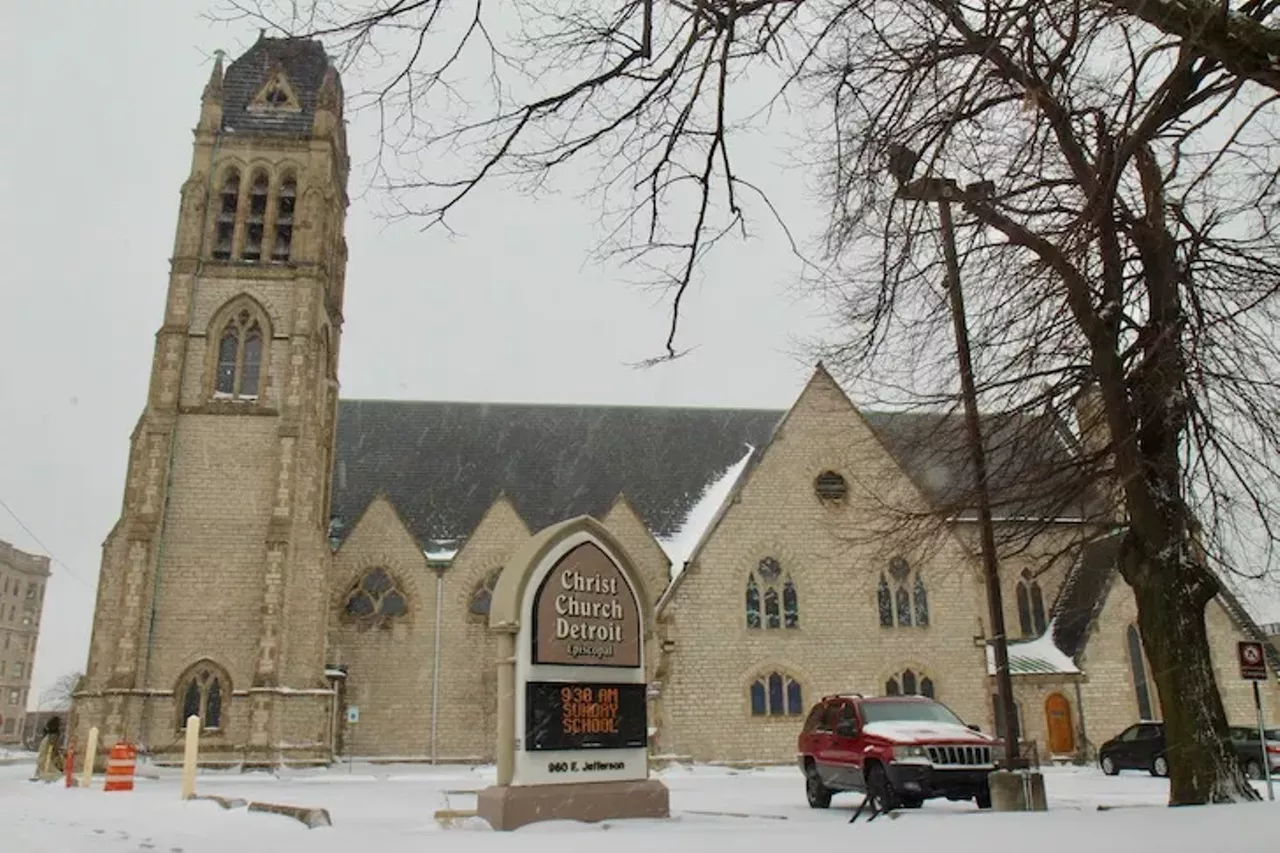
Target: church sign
{"points": [[585, 613], [571, 616]]}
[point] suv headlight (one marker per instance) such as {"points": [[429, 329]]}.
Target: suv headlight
{"points": [[909, 752]]}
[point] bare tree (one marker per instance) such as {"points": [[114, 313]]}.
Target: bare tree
{"points": [[1116, 191], [57, 697], [1244, 40]]}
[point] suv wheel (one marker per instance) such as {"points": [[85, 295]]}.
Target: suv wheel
{"points": [[983, 798], [1160, 766], [818, 794], [883, 797], [1253, 769], [1109, 765]]}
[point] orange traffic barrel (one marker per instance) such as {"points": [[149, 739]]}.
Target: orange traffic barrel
{"points": [[120, 767]]}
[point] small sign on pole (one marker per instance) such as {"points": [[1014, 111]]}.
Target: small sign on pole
{"points": [[1253, 663], [1253, 667], [353, 717]]}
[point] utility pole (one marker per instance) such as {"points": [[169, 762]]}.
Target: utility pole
{"points": [[942, 191]]}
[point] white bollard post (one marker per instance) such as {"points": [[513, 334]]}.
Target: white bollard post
{"points": [[90, 752], [189, 757]]}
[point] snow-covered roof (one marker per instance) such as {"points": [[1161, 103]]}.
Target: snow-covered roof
{"points": [[684, 542], [1035, 657]]}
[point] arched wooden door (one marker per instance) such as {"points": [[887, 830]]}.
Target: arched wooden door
{"points": [[1062, 735]]}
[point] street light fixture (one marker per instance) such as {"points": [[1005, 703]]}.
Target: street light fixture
{"points": [[943, 191]]}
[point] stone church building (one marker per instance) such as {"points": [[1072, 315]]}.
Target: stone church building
{"points": [[283, 555]]}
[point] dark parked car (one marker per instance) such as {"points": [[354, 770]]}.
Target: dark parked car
{"points": [[1139, 747], [1252, 755], [1142, 747]]}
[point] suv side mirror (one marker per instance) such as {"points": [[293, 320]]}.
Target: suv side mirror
{"points": [[846, 728]]}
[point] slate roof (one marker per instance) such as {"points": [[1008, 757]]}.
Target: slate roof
{"points": [[443, 464], [1084, 593], [304, 63], [1031, 471]]}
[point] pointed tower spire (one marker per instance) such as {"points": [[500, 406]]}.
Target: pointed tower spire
{"points": [[213, 89], [211, 99]]}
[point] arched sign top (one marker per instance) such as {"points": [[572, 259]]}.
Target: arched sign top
{"points": [[505, 612], [572, 618], [585, 613]]}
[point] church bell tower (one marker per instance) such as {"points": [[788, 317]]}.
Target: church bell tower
{"points": [[212, 595]]}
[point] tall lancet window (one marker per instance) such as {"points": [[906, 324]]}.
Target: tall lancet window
{"points": [[286, 201], [224, 232], [256, 221], [238, 374]]}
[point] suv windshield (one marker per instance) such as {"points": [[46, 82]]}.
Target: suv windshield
{"points": [[911, 711]]}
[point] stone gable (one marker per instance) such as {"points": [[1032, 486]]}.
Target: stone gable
{"points": [[388, 665], [467, 729], [1110, 691], [650, 560], [834, 555]]}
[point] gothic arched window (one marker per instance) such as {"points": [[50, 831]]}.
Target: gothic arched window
{"points": [[909, 683], [753, 603], [790, 605], [776, 695], [900, 598], [1031, 617], [286, 201], [241, 345], [884, 601], [1141, 689], [780, 598], [904, 607], [203, 690], [1024, 609], [375, 599], [772, 616], [256, 220], [482, 594], [225, 227], [922, 603]]}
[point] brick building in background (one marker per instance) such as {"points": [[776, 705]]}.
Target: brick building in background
{"points": [[23, 578], [281, 555]]}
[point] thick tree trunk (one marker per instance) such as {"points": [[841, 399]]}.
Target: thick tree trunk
{"points": [[1171, 619]]}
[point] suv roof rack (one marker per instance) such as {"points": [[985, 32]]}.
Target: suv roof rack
{"points": [[848, 695]]}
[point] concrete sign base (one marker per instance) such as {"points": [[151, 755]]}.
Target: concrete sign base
{"points": [[508, 807]]}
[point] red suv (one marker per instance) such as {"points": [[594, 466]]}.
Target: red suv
{"points": [[900, 750]]}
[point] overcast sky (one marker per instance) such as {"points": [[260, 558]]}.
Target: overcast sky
{"points": [[100, 101]]}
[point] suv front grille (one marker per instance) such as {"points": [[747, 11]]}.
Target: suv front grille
{"points": [[959, 756]]}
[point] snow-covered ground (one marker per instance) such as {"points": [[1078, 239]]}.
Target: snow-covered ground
{"points": [[390, 809]]}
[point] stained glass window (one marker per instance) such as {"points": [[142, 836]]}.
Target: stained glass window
{"points": [[1139, 668], [772, 617], [202, 691], [922, 603], [376, 599], [884, 600], [790, 605], [753, 603]]}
